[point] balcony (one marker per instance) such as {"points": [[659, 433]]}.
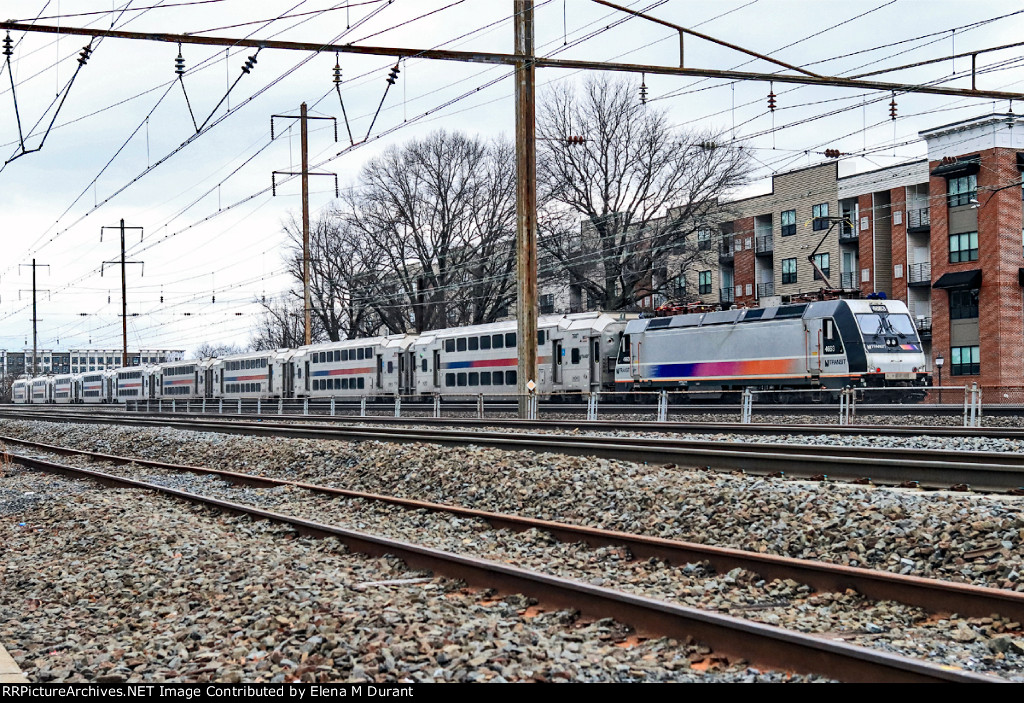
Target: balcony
{"points": [[765, 289], [726, 251], [919, 220], [847, 232], [919, 274], [924, 326], [727, 295], [764, 245], [848, 280]]}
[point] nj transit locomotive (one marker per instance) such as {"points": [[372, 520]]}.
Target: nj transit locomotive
{"points": [[830, 344]]}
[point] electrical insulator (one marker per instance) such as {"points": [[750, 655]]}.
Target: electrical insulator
{"points": [[84, 55], [337, 71], [643, 91], [575, 140], [188, 314], [708, 145], [161, 300], [892, 108], [249, 63], [771, 100], [108, 297], [832, 153], [8, 45], [213, 299], [179, 63], [393, 76]]}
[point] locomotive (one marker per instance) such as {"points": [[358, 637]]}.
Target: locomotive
{"points": [[797, 348]]}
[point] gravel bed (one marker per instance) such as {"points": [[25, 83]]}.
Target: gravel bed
{"points": [[956, 536], [115, 585], [991, 645]]}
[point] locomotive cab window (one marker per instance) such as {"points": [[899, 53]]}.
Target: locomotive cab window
{"points": [[830, 339]]}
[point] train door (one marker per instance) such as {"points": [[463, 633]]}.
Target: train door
{"points": [[437, 368], [812, 346], [556, 361], [380, 372], [402, 372], [307, 375], [288, 380], [595, 362], [208, 383]]}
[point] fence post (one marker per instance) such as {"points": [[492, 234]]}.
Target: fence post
{"points": [[160, 405], [259, 406], [332, 406], [220, 407], [239, 406], [398, 406], [480, 406], [748, 402], [174, 405], [305, 405], [592, 405], [204, 406], [967, 410], [663, 406], [188, 406], [362, 406], [844, 407]]}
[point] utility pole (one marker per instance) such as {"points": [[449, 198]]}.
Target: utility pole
{"points": [[124, 287], [526, 204], [35, 321], [304, 174]]}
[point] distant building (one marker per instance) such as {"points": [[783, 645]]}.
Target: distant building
{"points": [[16, 363]]}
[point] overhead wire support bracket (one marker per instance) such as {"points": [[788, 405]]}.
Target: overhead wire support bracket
{"points": [[83, 58], [179, 69], [391, 79], [247, 67], [337, 88], [274, 174]]}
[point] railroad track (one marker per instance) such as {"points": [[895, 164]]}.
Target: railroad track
{"points": [[735, 638], [925, 468]]}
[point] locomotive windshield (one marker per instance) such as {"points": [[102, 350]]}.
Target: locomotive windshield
{"points": [[881, 325]]}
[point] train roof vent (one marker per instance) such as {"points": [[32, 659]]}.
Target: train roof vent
{"points": [[687, 320], [754, 314], [659, 323], [791, 311]]}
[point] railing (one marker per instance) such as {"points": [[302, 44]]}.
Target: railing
{"points": [[848, 280], [727, 295], [924, 327], [847, 231], [764, 245], [725, 251], [765, 289], [919, 273], [919, 218]]}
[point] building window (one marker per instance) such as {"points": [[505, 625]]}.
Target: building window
{"points": [[788, 221], [963, 247], [547, 303], [704, 281], [820, 214], [963, 304], [821, 261], [789, 270], [962, 190], [966, 361], [703, 239], [677, 286]]}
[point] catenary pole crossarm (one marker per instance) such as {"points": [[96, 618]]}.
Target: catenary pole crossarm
{"points": [[512, 59]]}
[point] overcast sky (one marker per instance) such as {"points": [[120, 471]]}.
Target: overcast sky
{"points": [[123, 143]]}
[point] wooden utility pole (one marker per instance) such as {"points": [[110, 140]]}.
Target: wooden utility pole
{"points": [[124, 288], [304, 174], [526, 203]]}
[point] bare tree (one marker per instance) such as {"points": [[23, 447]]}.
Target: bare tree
{"points": [[436, 219], [339, 276], [642, 187], [208, 349], [282, 324]]}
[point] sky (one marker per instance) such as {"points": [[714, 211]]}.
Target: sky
{"points": [[124, 144]]}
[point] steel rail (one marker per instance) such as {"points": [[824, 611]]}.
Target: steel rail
{"points": [[930, 594], [764, 645], [996, 471]]}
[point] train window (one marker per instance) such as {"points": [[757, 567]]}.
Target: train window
{"points": [[344, 384], [474, 343], [510, 378], [423, 364], [391, 367], [474, 378], [575, 358], [540, 337], [460, 344], [449, 379], [510, 340], [449, 345], [461, 379], [368, 352], [831, 341], [497, 341], [497, 377], [344, 354], [362, 382], [485, 378], [485, 342]]}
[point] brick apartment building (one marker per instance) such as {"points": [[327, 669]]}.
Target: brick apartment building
{"points": [[945, 235]]}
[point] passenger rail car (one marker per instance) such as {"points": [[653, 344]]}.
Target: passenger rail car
{"points": [[828, 344]]}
